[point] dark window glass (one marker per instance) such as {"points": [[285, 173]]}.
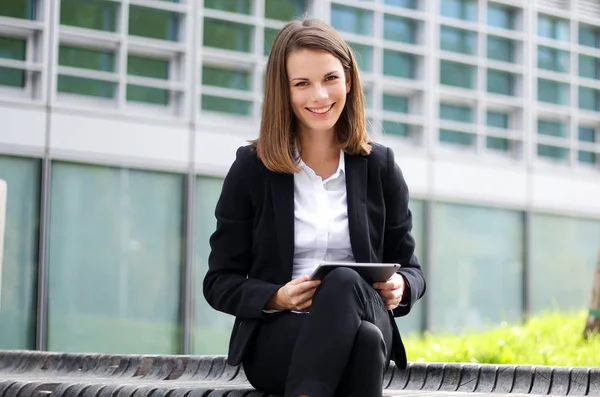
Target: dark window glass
{"points": [[20, 258], [552, 128], [363, 55], [500, 82], [285, 10], [457, 74], [227, 35], [398, 64], [11, 48], [237, 6], [589, 67], [495, 143], [226, 105], [351, 19], [554, 152], [399, 29], [90, 14], [24, 9], [586, 157], [395, 128], [497, 119], [553, 28], [500, 49], [395, 103], [589, 36], [85, 86], [463, 114], [587, 134], [219, 77], [153, 23], [459, 138], [499, 16], [85, 58], [553, 92], [151, 95], [148, 67], [589, 99], [458, 40], [553, 59], [459, 9], [270, 35], [402, 3]]}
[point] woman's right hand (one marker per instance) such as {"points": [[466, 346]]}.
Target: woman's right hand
{"points": [[296, 295]]}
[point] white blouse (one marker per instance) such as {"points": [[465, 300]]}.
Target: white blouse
{"points": [[321, 230]]}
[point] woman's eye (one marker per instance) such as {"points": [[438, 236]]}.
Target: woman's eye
{"points": [[332, 77], [301, 84]]}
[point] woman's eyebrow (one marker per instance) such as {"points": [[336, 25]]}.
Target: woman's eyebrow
{"points": [[306, 79]]}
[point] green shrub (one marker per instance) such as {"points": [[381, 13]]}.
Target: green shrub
{"points": [[547, 339]]}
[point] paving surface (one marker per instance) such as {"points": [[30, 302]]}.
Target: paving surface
{"points": [[41, 374]]}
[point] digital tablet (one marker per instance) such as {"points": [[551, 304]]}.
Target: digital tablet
{"points": [[371, 272]]}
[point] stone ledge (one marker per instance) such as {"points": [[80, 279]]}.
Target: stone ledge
{"points": [[37, 374]]}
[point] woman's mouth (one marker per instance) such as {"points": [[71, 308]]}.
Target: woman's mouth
{"points": [[320, 111]]}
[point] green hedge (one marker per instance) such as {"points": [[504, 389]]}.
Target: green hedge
{"points": [[547, 339]]}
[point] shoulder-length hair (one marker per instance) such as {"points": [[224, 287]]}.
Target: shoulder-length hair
{"points": [[275, 145]]}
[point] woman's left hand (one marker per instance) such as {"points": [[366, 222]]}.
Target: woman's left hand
{"points": [[391, 291]]}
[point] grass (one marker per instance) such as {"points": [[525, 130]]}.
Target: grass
{"points": [[547, 339]]}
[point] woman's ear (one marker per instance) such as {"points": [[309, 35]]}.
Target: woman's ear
{"points": [[348, 82]]}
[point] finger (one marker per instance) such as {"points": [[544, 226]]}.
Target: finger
{"points": [[391, 294], [306, 305], [299, 280], [306, 286]]}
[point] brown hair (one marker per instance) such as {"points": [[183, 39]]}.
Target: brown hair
{"points": [[276, 142]]}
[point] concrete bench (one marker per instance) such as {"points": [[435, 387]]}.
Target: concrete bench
{"points": [[37, 374]]}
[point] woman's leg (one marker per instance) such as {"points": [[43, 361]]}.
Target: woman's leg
{"points": [[267, 361], [365, 369], [327, 338]]}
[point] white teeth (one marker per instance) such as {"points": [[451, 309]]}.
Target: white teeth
{"points": [[322, 110]]}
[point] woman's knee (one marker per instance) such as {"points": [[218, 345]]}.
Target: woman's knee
{"points": [[369, 337], [340, 278]]}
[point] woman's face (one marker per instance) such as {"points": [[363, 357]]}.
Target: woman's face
{"points": [[318, 89]]}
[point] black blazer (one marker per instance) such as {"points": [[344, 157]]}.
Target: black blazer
{"points": [[253, 246]]}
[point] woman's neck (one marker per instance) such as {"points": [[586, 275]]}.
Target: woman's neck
{"points": [[320, 152]]}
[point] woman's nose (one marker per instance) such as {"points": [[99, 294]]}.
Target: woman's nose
{"points": [[320, 92]]}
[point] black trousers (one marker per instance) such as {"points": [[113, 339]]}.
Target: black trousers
{"points": [[341, 348]]}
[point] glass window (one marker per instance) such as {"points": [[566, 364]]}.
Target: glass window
{"points": [[587, 134], [211, 328], [588, 99], [226, 105], [457, 74], [497, 119], [24, 9], [495, 143], [148, 67], [553, 59], [500, 49], [399, 64], [227, 78], [90, 14], [500, 82], [586, 157], [368, 97], [553, 92], [459, 138], [352, 20], [399, 29], [12, 48], [563, 259], [227, 35], [153, 23], [402, 3], [414, 321], [395, 128], [553, 28], [553, 152], [285, 10], [395, 103], [237, 6], [476, 266], [270, 35], [552, 128], [500, 17], [84, 58], [463, 114], [104, 231], [84, 86], [363, 55], [20, 258], [458, 40], [589, 36], [155, 68], [589, 67], [459, 9]]}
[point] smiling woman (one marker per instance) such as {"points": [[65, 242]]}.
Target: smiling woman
{"points": [[312, 188]]}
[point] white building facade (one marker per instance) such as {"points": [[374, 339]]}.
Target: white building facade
{"points": [[119, 119]]}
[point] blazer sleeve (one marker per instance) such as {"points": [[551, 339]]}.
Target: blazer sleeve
{"points": [[399, 244], [227, 287]]}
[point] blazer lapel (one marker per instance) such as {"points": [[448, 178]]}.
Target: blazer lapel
{"points": [[282, 190], [356, 191]]}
